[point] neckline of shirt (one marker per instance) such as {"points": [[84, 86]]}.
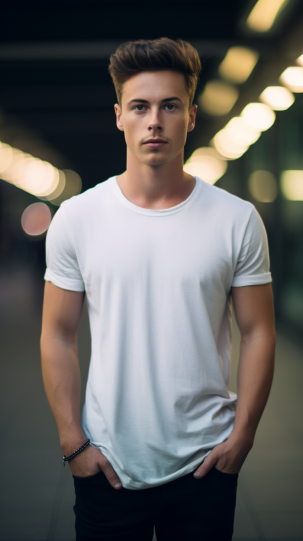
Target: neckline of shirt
{"points": [[152, 212]]}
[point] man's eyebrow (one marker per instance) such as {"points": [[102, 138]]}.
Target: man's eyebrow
{"points": [[138, 100], [174, 98]]}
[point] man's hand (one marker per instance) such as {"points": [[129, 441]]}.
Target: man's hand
{"points": [[89, 462], [228, 457]]}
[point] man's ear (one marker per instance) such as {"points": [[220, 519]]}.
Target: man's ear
{"points": [[192, 117], [118, 113]]}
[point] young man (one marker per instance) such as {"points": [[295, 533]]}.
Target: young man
{"points": [[159, 255]]}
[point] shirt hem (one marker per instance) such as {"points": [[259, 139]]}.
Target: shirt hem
{"points": [[70, 285], [137, 485], [252, 280]]}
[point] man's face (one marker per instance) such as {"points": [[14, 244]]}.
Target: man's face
{"points": [[155, 116]]}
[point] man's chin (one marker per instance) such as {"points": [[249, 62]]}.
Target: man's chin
{"points": [[155, 164], [155, 161]]}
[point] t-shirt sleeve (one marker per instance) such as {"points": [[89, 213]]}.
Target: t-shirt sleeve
{"points": [[252, 267], [62, 268]]}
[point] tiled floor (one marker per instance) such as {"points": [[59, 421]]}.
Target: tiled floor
{"points": [[36, 496]]}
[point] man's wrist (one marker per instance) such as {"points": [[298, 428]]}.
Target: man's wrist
{"points": [[242, 437], [244, 430], [72, 440], [76, 453]]}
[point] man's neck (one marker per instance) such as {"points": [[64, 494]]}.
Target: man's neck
{"points": [[160, 187]]}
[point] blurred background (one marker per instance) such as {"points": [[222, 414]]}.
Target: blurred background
{"points": [[58, 138]]}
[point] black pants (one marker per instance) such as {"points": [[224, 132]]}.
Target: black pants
{"points": [[186, 509]]}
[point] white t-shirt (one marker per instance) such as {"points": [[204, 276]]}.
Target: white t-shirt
{"points": [[158, 286]]}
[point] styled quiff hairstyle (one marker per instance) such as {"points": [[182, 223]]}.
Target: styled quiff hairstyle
{"points": [[135, 57]]}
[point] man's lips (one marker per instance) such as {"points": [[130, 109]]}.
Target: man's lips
{"points": [[154, 143]]}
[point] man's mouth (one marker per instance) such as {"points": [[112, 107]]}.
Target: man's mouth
{"points": [[155, 143]]}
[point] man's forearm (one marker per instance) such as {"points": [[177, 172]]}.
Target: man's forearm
{"points": [[253, 306], [255, 374], [61, 376]]}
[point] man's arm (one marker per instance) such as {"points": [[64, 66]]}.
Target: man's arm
{"points": [[254, 312], [62, 311]]}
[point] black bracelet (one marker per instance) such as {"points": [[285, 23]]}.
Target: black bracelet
{"points": [[68, 458]]}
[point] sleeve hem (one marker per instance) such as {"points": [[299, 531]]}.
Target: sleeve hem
{"points": [[258, 279], [64, 283]]}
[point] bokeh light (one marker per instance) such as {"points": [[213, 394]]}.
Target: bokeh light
{"points": [[10, 171], [73, 186], [292, 185], [226, 146], [36, 219], [238, 64], [18, 167], [264, 13], [218, 98], [34, 176], [292, 77], [263, 186], [50, 180], [278, 98], [241, 132], [259, 116], [59, 188], [38, 177], [6, 156], [207, 164]]}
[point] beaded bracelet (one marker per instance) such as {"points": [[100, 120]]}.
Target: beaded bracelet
{"points": [[68, 458]]}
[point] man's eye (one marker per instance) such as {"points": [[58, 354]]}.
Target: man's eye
{"points": [[140, 107], [170, 106]]}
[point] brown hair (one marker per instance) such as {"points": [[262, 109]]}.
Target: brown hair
{"points": [[134, 57]]}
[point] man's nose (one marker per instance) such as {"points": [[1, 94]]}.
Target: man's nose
{"points": [[154, 121]]}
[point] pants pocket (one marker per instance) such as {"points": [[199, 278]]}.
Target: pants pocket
{"points": [[89, 477], [225, 474]]}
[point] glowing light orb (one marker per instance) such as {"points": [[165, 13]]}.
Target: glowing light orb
{"points": [[263, 186], [206, 163], [259, 116], [36, 219], [278, 98], [292, 77]]}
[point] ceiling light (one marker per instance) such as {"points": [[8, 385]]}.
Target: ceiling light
{"points": [[241, 132], [6, 156], [218, 98], [259, 116], [292, 77], [238, 64], [264, 13], [21, 163], [292, 185], [59, 188], [263, 186], [36, 176], [73, 185], [300, 60], [50, 180], [278, 98], [207, 164], [10, 172], [226, 146]]}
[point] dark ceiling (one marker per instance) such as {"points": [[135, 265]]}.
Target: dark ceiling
{"points": [[56, 96]]}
